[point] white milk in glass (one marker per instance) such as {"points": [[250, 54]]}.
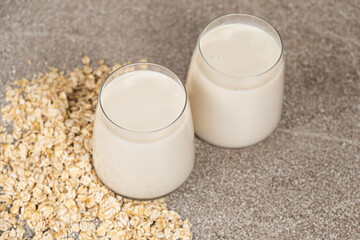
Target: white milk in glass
{"points": [[235, 81], [143, 134]]}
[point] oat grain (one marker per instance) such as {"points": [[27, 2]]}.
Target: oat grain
{"points": [[48, 187]]}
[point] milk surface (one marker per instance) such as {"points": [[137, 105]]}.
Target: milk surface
{"points": [[143, 101], [235, 85], [137, 159], [239, 50]]}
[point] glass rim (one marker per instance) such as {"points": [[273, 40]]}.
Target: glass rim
{"points": [[173, 76], [244, 15]]}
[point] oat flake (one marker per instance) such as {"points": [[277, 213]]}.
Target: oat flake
{"points": [[48, 187]]}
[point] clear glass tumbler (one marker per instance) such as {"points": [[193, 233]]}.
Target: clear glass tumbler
{"points": [[235, 81], [139, 152]]}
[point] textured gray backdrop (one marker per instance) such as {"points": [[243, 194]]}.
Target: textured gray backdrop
{"points": [[302, 182]]}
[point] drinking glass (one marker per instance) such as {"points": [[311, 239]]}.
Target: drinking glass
{"points": [[235, 110], [142, 164]]}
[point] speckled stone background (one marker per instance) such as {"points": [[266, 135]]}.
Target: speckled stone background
{"points": [[302, 182]]}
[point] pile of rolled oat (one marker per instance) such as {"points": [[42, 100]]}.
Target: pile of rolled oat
{"points": [[48, 187]]}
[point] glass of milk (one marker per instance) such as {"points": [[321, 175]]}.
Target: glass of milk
{"points": [[143, 140], [235, 81]]}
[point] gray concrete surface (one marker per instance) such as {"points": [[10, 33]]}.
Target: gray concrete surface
{"points": [[302, 182]]}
